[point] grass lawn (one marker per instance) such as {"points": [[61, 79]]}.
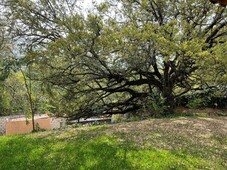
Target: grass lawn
{"points": [[168, 143]]}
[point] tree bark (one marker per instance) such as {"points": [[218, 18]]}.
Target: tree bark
{"points": [[169, 101]]}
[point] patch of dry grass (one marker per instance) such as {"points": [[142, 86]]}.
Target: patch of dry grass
{"points": [[200, 137]]}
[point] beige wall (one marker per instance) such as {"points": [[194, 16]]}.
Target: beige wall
{"points": [[21, 127]]}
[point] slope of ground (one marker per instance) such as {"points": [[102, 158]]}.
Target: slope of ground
{"points": [[169, 143]]}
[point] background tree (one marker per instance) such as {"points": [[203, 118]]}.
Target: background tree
{"points": [[14, 95], [6, 64], [6, 57]]}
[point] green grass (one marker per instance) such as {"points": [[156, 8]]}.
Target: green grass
{"points": [[109, 147]]}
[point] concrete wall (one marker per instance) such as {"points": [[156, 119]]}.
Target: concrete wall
{"points": [[3, 121], [15, 124], [23, 126]]}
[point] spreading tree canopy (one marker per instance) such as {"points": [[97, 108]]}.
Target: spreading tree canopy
{"points": [[122, 56]]}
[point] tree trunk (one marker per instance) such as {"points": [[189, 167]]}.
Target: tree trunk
{"points": [[28, 86], [169, 103], [32, 112]]}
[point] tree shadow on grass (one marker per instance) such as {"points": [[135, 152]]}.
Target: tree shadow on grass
{"points": [[88, 151], [20, 152]]}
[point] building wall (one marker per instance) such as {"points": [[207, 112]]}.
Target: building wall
{"points": [[23, 126], [3, 121]]}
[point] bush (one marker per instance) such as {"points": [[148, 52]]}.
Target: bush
{"points": [[199, 100], [196, 103]]}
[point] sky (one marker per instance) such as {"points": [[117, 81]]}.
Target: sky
{"points": [[87, 4]]}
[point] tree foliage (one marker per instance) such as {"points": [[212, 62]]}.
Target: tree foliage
{"points": [[6, 59], [125, 54]]}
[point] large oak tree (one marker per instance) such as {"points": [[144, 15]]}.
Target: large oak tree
{"points": [[115, 59]]}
